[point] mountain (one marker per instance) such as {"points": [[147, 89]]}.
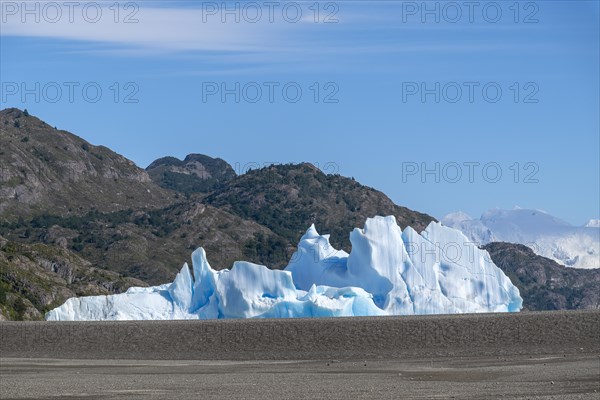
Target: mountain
{"points": [[196, 173], [45, 170], [543, 283], [548, 236], [36, 278], [383, 275], [151, 244], [593, 223], [288, 198]]}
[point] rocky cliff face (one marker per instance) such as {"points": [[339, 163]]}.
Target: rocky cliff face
{"points": [[36, 278], [544, 284]]}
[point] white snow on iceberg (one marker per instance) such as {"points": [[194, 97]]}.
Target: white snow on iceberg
{"points": [[388, 272]]}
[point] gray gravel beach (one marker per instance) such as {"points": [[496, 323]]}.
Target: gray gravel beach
{"points": [[547, 355]]}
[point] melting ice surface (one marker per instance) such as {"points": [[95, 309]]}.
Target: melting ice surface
{"points": [[388, 272]]}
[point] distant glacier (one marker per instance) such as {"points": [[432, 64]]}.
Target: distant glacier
{"points": [[546, 235], [388, 272]]}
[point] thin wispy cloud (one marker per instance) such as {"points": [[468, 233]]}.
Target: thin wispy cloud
{"points": [[335, 38], [155, 29]]}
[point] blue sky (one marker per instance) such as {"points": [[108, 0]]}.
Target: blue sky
{"points": [[509, 89]]}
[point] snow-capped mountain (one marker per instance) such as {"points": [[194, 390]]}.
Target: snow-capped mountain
{"points": [[546, 235], [388, 272], [593, 223]]}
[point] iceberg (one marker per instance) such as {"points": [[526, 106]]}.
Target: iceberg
{"points": [[389, 271]]}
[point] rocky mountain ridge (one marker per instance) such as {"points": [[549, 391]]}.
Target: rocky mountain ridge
{"points": [[45, 170], [196, 173]]}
